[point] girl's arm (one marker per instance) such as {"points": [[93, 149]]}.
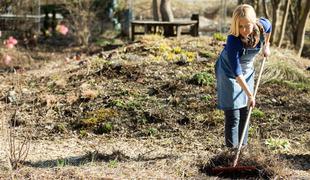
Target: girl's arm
{"points": [[266, 48], [267, 38], [267, 29], [241, 81]]}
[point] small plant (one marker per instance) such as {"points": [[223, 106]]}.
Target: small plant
{"points": [[152, 131], [190, 56], [117, 103], [206, 98], [277, 144], [60, 128], [83, 133], [61, 162], [132, 105], [177, 50], [163, 47], [112, 164], [202, 78], [105, 128], [258, 113], [88, 122], [170, 56], [97, 117], [252, 130], [103, 113], [219, 37], [142, 120]]}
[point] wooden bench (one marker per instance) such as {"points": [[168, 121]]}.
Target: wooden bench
{"points": [[152, 27]]}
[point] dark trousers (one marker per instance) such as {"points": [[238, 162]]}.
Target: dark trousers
{"points": [[234, 125]]}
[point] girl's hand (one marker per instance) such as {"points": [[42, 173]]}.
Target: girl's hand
{"points": [[251, 101], [266, 50]]}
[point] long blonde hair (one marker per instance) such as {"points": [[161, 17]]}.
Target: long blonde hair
{"points": [[241, 11]]}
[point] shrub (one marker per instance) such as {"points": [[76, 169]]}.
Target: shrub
{"points": [[202, 78], [219, 37], [277, 144], [257, 113]]}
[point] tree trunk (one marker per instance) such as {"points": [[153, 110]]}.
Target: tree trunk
{"points": [[284, 20], [167, 15], [275, 13], [292, 19], [166, 11], [265, 10], [301, 29], [155, 8], [257, 7]]}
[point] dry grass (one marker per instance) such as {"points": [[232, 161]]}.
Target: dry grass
{"points": [[268, 165], [281, 66]]}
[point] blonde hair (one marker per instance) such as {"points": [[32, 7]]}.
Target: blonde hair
{"points": [[241, 11]]}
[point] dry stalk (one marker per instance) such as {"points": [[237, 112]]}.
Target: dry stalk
{"points": [[17, 151]]}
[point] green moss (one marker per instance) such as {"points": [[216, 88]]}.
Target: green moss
{"points": [[98, 116], [258, 113], [87, 122]]}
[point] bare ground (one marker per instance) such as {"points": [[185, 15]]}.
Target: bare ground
{"points": [[129, 113]]}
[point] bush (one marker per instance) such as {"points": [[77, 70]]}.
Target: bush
{"points": [[219, 37], [202, 78]]}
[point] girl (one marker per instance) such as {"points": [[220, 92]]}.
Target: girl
{"points": [[235, 72]]}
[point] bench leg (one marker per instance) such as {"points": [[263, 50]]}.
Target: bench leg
{"points": [[132, 32], [178, 30]]}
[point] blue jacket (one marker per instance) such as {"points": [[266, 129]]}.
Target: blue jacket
{"points": [[233, 61]]}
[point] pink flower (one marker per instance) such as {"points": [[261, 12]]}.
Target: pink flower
{"points": [[62, 29], [9, 45], [12, 40], [7, 59]]}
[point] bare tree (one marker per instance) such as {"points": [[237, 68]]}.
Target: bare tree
{"points": [[298, 15], [256, 6], [284, 20], [265, 8], [155, 8], [167, 15], [275, 14], [166, 11], [301, 28]]}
